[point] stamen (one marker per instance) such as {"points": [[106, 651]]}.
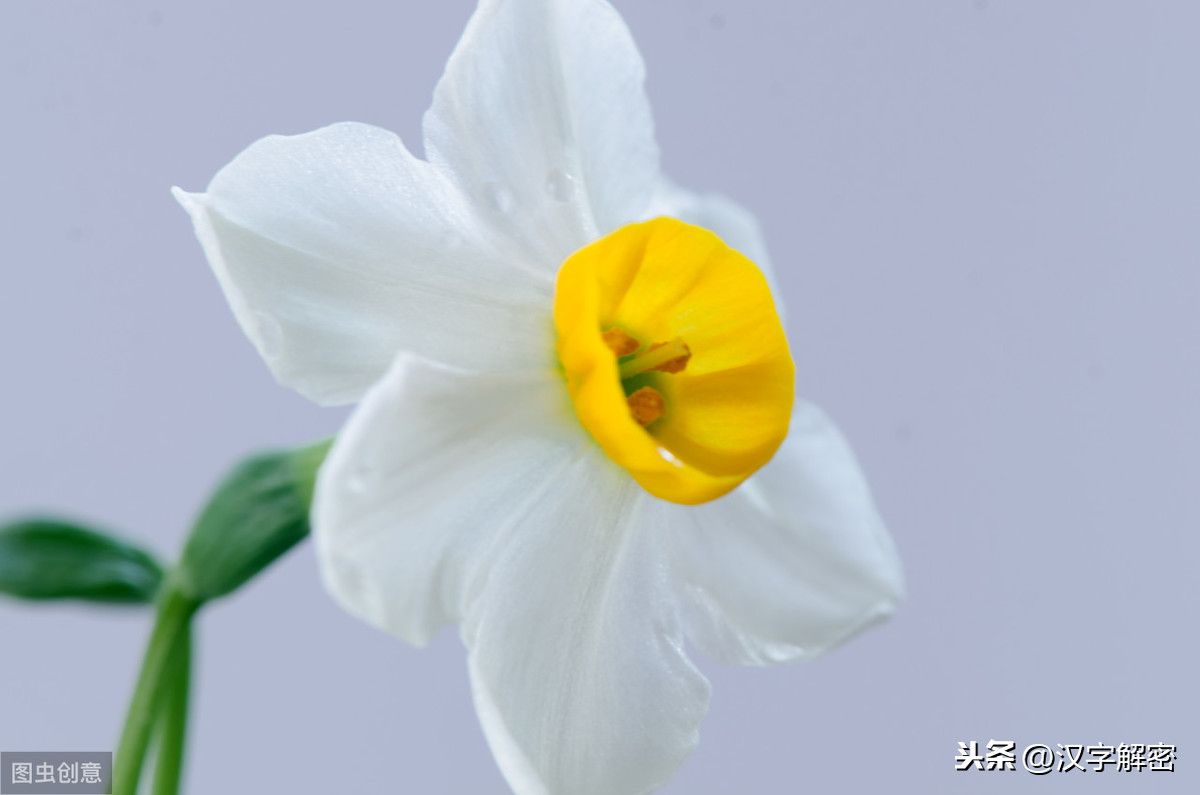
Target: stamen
{"points": [[647, 405], [619, 342], [666, 357]]}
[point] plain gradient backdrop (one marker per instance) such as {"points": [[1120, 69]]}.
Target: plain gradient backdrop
{"points": [[984, 218]]}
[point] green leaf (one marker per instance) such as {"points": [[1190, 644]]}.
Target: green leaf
{"points": [[258, 512], [53, 559]]}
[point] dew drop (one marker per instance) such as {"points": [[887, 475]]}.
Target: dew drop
{"points": [[350, 579], [269, 334], [357, 482], [560, 185], [667, 456], [362, 478], [500, 197]]}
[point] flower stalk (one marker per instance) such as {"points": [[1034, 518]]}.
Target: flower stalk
{"points": [[169, 649], [257, 513], [172, 742]]}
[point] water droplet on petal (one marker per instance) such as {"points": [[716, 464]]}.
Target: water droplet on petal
{"points": [[560, 185], [362, 478], [352, 579], [500, 197], [268, 333], [667, 456]]}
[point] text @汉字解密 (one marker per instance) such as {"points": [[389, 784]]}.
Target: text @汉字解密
{"points": [[1040, 759]]}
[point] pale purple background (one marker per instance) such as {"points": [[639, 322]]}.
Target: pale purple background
{"points": [[984, 216]]}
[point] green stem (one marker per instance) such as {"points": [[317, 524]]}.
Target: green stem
{"points": [[168, 767], [174, 615]]}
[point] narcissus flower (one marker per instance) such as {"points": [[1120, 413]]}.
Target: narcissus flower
{"points": [[576, 431]]}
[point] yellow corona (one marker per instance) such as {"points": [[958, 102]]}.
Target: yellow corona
{"points": [[675, 357]]}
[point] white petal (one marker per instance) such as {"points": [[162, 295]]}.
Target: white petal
{"points": [[794, 561], [733, 223], [577, 662], [451, 494], [338, 248], [434, 466], [542, 116]]}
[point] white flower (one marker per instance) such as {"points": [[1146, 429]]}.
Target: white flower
{"points": [[493, 473]]}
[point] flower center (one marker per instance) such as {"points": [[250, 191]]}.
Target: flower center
{"points": [[674, 357], [646, 404], [669, 357]]}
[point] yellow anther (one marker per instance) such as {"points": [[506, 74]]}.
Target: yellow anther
{"points": [[646, 405], [667, 357], [619, 342], [676, 365]]}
